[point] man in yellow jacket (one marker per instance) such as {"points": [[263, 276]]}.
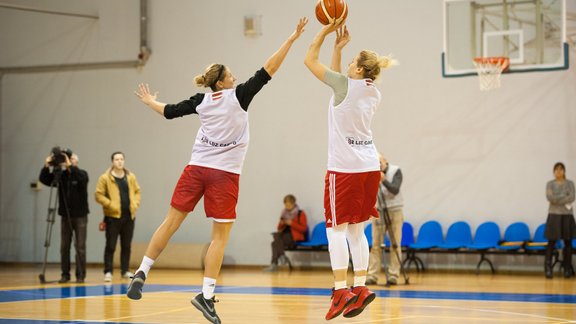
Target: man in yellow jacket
{"points": [[119, 194]]}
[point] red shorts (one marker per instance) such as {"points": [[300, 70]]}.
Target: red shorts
{"points": [[350, 197], [219, 188]]}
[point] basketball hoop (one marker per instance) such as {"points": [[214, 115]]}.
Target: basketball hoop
{"points": [[489, 71]]}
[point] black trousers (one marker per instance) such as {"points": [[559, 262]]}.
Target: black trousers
{"points": [[73, 227], [566, 257], [123, 227], [282, 240]]}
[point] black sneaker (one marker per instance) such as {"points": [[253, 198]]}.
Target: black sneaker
{"points": [[64, 279], [206, 306], [135, 287]]}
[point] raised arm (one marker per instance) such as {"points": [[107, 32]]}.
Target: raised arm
{"points": [[342, 38], [144, 94], [273, 63], [311, 59]]}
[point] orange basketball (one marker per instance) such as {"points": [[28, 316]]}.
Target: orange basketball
{"points": [[329, 10]]}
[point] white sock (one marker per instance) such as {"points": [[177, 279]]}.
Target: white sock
{"points": [[339, 284], [145, 265], [359, 281], [208, 287]]}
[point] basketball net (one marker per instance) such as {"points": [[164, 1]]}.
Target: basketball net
{"points": [[490, 70]]}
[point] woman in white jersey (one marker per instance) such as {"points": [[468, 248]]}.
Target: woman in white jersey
{"points": [[351, 183], [215, 166]]}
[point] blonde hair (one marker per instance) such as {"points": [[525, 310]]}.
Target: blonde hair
{"points": [[212, 74], [372, 63]]}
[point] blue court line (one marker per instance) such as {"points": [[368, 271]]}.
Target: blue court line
{"points": [[120, 289]]}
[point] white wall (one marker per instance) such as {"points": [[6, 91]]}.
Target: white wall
{"points": [[465, 155]]}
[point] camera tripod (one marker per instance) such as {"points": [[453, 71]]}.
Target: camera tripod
{"points": [[385, 216]]}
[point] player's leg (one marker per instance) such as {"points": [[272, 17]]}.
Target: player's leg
{"points": [[204, 301], [339, 259], [360, 253], [367, 184], [188, 191], [220, 199], [157, 244]]}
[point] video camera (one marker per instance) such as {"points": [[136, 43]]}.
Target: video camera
{"points": [[58, 155]]}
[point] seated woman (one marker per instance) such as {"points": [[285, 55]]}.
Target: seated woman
{"points": [[292, 228]]}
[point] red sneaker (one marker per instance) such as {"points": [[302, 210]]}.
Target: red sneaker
{"points": [[341, 299], [365, 297]]}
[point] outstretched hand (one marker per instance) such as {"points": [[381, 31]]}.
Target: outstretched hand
{"points": [[335, 25], [299, 28], [342, 37], [144, 94]]}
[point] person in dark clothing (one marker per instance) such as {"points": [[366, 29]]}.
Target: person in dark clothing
{"points": [[292, 228], [560, 224], [72, 184]]}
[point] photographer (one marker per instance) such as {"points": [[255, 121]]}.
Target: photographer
{"points": [[61, 170], [390, 182]]}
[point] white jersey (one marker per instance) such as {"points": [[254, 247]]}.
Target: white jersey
{"points": [[222, 140], [351, 148]]}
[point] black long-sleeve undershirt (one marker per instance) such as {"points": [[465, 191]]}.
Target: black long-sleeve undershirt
{"points": [[245, 92]]}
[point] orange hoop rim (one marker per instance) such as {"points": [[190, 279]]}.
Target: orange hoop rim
{"points": [[503, 61]]}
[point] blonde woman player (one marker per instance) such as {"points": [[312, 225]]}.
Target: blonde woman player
{"points": [[215, 166], [351, 182]]}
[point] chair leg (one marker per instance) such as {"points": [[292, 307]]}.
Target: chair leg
{"points": [[412, 258], [484, 259], [418, 260]]}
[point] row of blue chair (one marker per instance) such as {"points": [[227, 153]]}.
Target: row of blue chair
{"points": [[458, 239], [487, 237]]}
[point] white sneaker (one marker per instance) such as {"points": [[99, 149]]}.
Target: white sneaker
{"points": [[128, 275], [108, 276]]}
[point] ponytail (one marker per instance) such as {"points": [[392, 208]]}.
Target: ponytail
{"points": [[372, 63], [211, 76]]}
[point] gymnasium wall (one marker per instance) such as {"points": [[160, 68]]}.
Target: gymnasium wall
{"points": [[465, 154]]}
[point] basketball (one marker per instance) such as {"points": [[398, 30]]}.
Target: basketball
{"points": [[329, 10]]}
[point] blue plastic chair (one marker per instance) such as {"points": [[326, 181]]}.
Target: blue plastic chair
{"points": [[319, 237], [368, 233], [407, 234], [429, 236], [487, 237], [515, 236], [459, 235], [539, 242]]}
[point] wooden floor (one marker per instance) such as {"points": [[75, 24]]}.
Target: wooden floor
{"points": [[252, 296]]}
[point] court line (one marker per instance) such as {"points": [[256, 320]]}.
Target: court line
{"points": [[120, 289]]}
